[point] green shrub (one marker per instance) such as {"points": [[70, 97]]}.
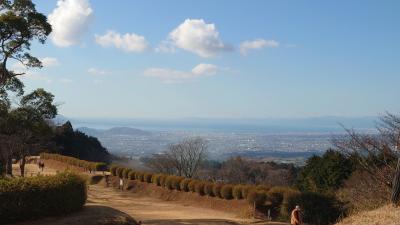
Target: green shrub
{"points": [[113, 170], [237, 192], [208, 189], [125, 173], [131, 175], [192, 185], [316, 208], [184, 184], [245, 190], [257, 197], [35, 197], [217, 190], [147, 177], [264, 188], [100, 166], [199, 187], [226, 191], [119, 172], [276, 195]]}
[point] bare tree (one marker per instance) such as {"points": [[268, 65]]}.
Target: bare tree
{"points": [[377, 154], [182, 159]]}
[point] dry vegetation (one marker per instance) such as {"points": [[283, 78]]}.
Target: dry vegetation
{"points": [[386, 215]]}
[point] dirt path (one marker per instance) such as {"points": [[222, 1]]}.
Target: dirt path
{"points": [[152, 210]]}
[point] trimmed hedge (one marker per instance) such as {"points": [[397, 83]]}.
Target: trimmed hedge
{"points": [[226, 191], [237, 192], [257, 197], [125, 173], [113, 170], [131, 175], [199, 187], [156, 179], [217, 190], [245, 190], [184, 184], [192, 185], [147, 177], [35, 197], [208, 189], [91, 166]]}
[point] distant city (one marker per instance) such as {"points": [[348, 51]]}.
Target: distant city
{"points": [[283, 140]]}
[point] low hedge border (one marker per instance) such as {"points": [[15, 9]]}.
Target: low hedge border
{"points": [[36, 197], [87, 165]]}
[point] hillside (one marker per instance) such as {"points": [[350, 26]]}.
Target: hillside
{"points": [[386, 215]]}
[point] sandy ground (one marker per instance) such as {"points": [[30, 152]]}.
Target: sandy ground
{"points": [[145, 209]]}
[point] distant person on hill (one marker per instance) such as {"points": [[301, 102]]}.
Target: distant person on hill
{"points": [[295, 218]]}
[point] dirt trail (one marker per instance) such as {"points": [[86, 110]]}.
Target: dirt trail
{"points": [[153, 210]]}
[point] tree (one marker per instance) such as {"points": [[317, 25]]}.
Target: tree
{"points": [[325, 173], [25, 129], [20, 24], [377, 154], [182, 159]]}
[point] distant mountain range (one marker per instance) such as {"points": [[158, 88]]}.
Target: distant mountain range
{"points": [[113, 131]]}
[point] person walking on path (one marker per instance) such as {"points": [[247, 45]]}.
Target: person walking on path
{"points": [[295, 217]]}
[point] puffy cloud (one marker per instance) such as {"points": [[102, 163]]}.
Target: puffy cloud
{"points": [[128, 42], [95, 71], [177, 76], [196, 36], [49, 61], [257, 44], [70, 19]]}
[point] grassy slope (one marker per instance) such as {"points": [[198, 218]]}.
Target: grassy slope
{"points": [[386, 215]]}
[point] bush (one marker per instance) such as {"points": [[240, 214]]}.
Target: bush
{"points": [[208, 189], [199, 187], [176, 183], [192, 185], [119, 172], [184, 184], [35, 197], [125, 173], [139, 176], [113, 170], [277, 195], [217, 190], [316, 208], [131, 175], [226, 191], [245, 190], [163, 178], [156, 179], [100, 166], [147, 177], [257, 197], [169, 182], [237, 192]]}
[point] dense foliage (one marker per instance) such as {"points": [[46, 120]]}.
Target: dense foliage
{"points": [[79, 145], [326, 173], [28, 198]]}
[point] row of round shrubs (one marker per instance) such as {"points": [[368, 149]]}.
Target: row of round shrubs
{"points": [[252, 193], [41, 196], [91, 166]]}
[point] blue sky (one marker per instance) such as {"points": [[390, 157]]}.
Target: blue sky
{"points": [[220, 59]]}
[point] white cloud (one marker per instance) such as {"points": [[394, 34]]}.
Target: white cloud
{"points": [[49, 61], [69, 20], [196, 36], [128, 42], [95, 71], [257, 44], [205, 69], [178, 76]]}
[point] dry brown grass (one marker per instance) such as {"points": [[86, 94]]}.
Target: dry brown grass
{"points": [[386, 215]]}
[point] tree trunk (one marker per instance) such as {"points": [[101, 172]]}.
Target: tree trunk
{"points": [[22, 165], [3, 166], [9, 166], [396, 185]]}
